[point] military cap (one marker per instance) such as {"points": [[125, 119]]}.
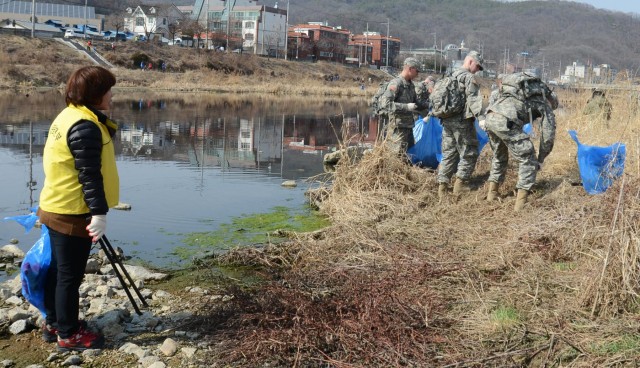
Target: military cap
{"points": [[477, 58], [413, 63]]}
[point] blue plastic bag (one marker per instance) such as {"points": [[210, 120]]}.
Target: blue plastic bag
{"points": [[427, 151], [33, 271], [599, 166], [483, 138]]}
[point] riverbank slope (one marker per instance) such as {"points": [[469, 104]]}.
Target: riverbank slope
{"points": [[26, 62]]}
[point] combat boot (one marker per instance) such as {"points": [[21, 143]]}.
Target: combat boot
{"points": [[521, 199], [461, 186], [493, 194], [442, 190]]}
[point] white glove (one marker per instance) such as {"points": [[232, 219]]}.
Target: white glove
{"points": [[482, 124], [97, 227], [411, 106]]}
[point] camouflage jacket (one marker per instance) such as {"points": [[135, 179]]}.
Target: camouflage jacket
{"points": [[398, 94], [473, 103]]}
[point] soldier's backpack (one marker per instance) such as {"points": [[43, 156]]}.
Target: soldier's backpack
{"points": [[528, 88], [447, 98], [375, 100]]}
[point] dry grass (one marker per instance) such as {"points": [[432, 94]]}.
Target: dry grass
{"points": [[28, 63], [400, 279]]}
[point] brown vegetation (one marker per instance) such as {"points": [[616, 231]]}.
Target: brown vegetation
{"points": [[26, 62], [401, 280]]}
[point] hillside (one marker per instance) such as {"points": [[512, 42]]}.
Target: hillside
{"points": [[559, 31]]}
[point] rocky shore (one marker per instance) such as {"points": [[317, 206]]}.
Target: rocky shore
{"points": [[159, 337]]}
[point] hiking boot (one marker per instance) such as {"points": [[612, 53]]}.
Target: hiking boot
{"points": [[82, 339], [521, 199], [493, 194], [49, 333], [461, 186]]}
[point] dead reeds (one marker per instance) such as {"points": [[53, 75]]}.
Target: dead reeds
{"points": [[401, 279]]}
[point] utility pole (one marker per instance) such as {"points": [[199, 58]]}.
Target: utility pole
{"points": [[286, 34], [206, 37], [85, 19], [206, 40], [387, 44], [33, 18], [366, 44]]}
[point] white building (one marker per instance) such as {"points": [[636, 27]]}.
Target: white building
{"points": [[151, 20], [261, 29]]}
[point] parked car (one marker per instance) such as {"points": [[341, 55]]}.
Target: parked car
{"points": [[115, 37], [72, 33]]}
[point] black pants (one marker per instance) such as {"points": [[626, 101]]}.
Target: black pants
{"points": [[69, 255]]}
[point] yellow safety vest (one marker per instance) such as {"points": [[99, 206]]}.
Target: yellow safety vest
{"points": [[62, 192]]}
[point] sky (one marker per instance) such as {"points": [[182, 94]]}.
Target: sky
{"points": [[627, 6]]}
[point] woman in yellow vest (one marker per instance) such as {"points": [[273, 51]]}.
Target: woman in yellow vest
{"points": [[81, 184]]}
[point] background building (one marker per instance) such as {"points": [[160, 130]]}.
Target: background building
{"points": [[64, 15], [324, 42], [152, 20], [259, 28]]}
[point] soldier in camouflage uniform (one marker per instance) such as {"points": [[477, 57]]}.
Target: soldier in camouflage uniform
{"points": [[459, 138], [423, 89], [400, 102], [598, 106], [506, 117]]}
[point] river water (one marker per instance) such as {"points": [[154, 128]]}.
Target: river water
{"points": [[187, 162]]}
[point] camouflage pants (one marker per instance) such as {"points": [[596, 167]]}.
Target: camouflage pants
{"points": [[459, 150], [400, 136], [507, 137]]}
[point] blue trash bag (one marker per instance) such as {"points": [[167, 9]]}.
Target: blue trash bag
{"points": [[599, 166], [33, 271], [483, 138], [427, 151], [527, 128]]}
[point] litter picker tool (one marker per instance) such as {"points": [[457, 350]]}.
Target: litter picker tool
{"points": [[113, 259]]}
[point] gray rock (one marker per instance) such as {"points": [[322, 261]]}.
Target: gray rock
{"points": [[157, 365], [4, 315], [161, 294], [17, 314], [14, 300], [93, 266], [141, 273], [148, 360], [12, 249], [72, 360], [289, 184], [18, 327], [97, 306], [147, 319], [5, 293], [169, 347], [188, 352], [90, 353], [7, 363]]}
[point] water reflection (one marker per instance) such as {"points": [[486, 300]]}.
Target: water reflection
{"points": [[187, 162]]}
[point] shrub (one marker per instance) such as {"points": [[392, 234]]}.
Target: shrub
{"points": [[138, 58]]}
